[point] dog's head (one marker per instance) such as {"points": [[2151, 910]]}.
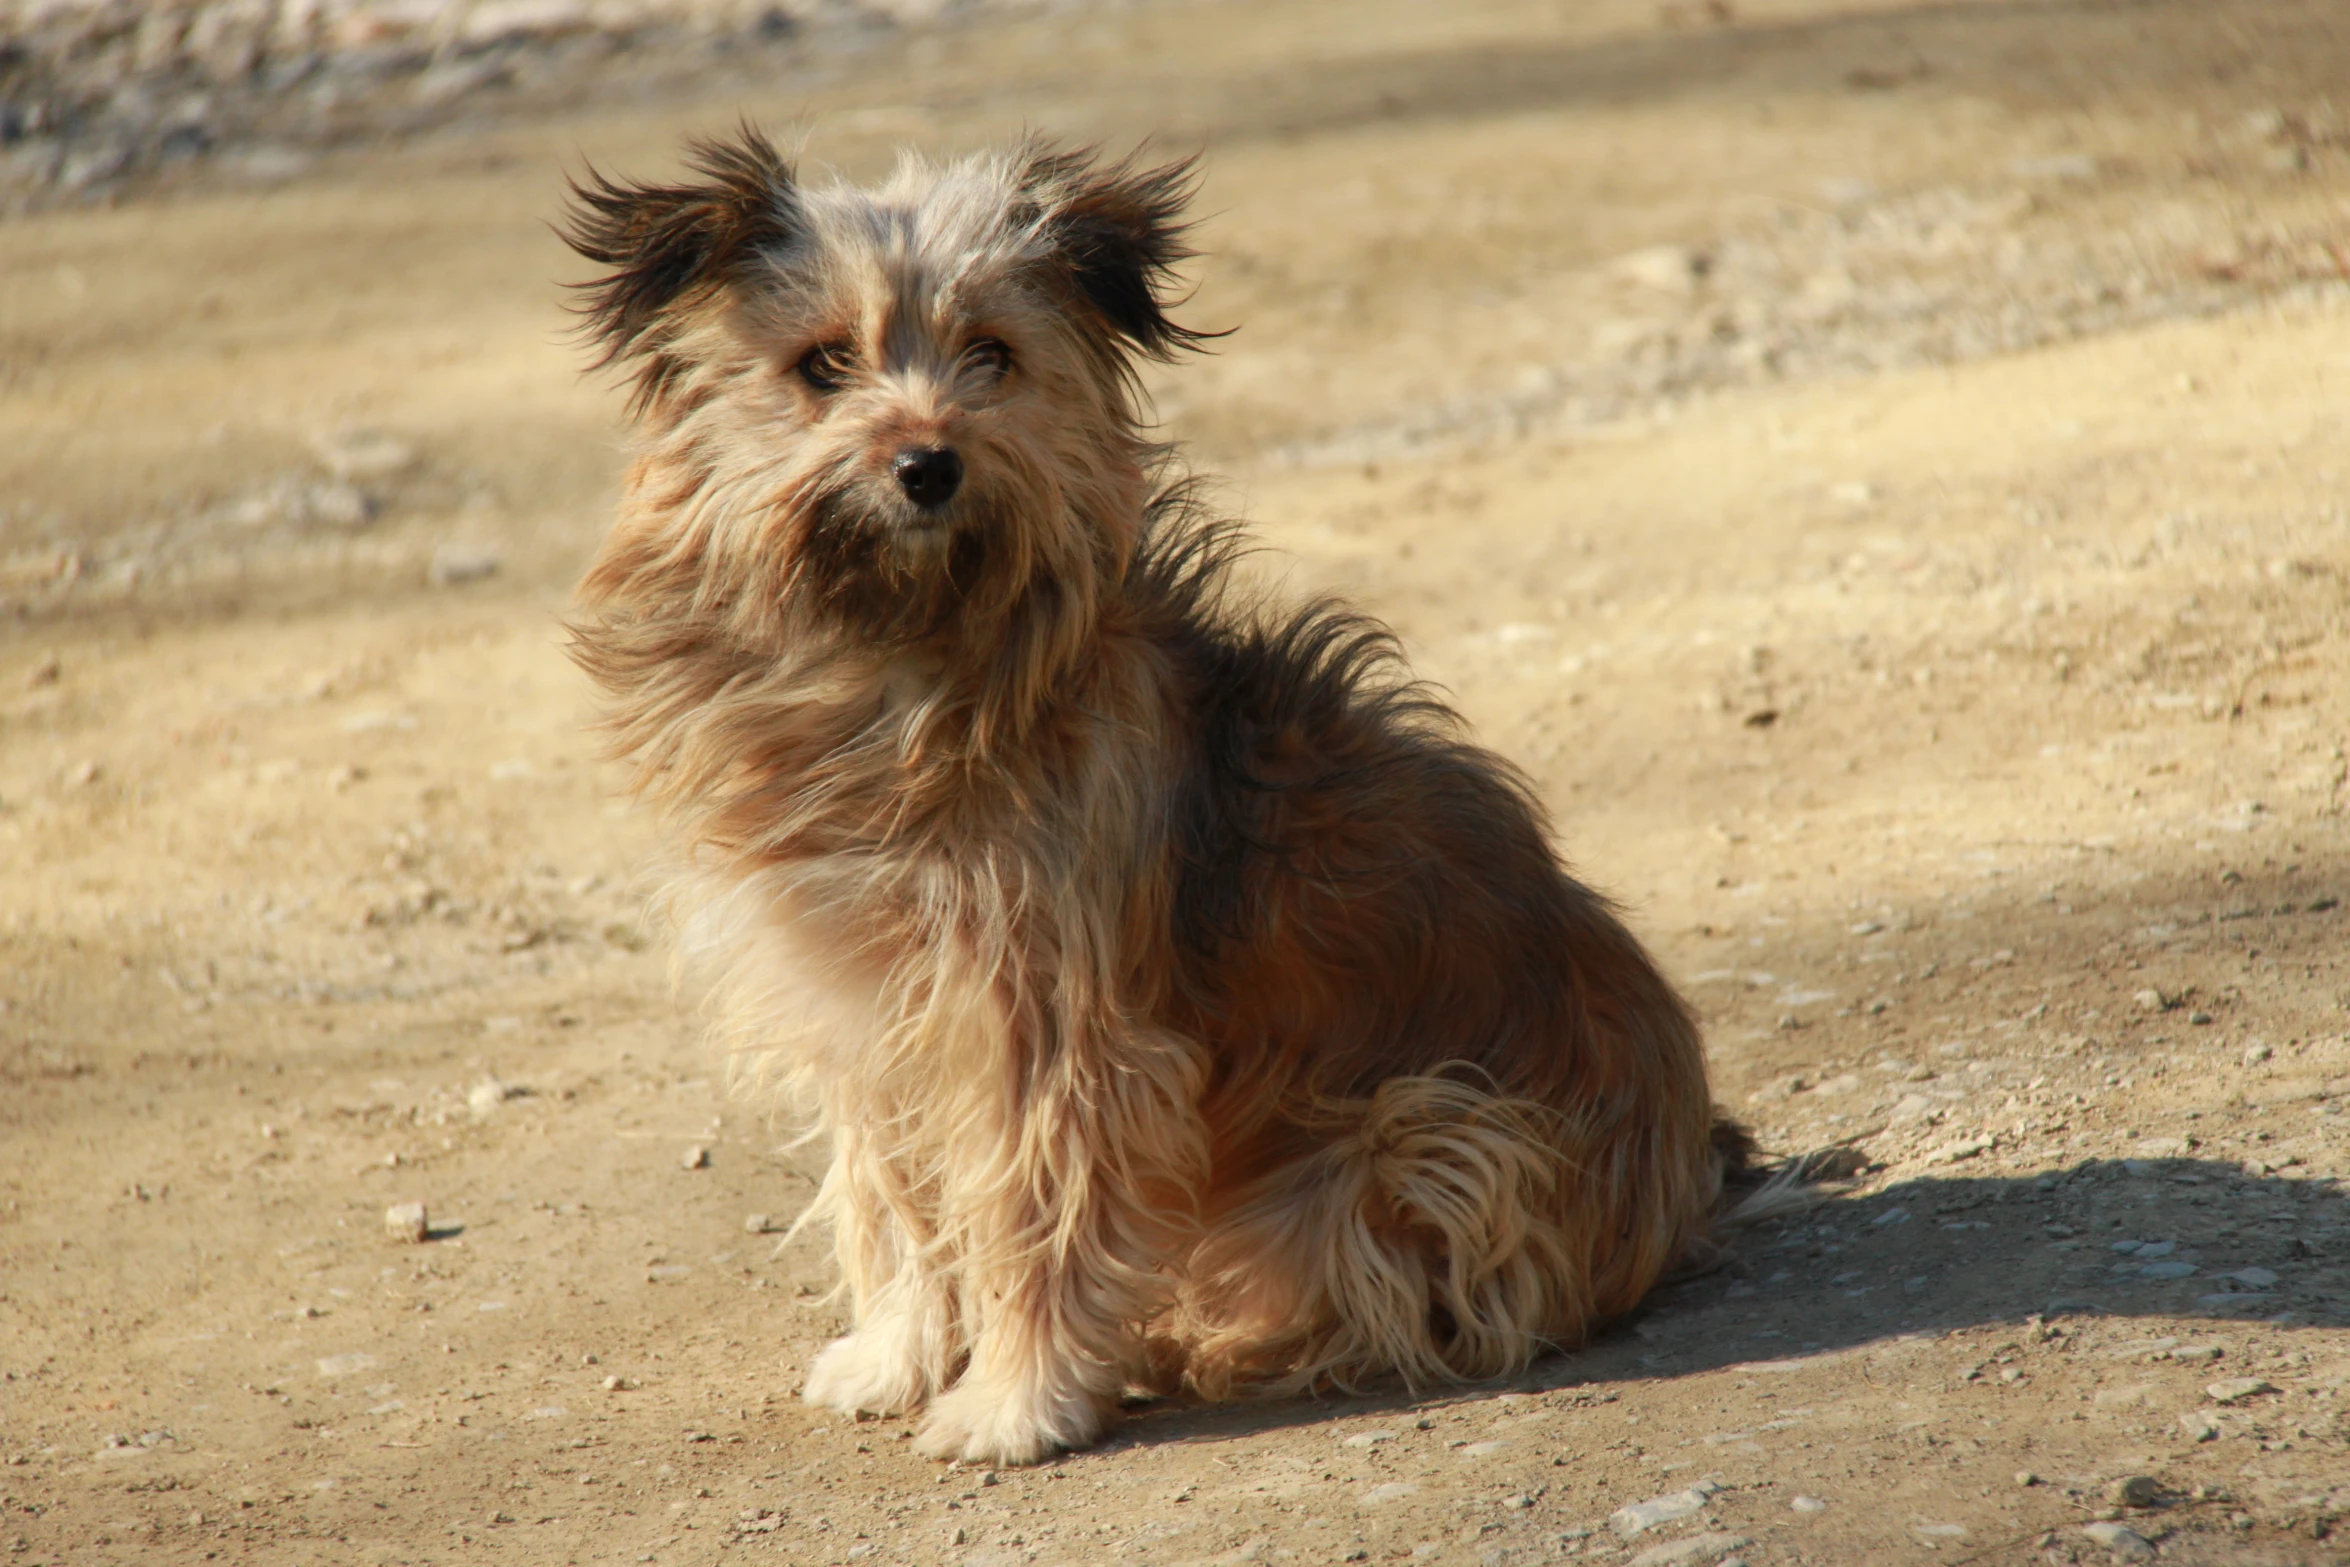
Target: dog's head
{"points": [[903, 409]]}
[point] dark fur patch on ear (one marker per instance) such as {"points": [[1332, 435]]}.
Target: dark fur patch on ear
{"points": [[669, 245], [1119, 231]]}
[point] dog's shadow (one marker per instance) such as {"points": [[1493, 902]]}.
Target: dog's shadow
{"points": [[2168, 1238]]}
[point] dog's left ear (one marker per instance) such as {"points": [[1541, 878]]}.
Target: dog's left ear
{"points": [[1118, 234], [667, 246]]}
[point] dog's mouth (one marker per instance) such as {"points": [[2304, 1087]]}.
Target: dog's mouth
{"points": [[897, 570]]}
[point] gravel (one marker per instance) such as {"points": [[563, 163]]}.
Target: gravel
{"points": [[96, 95]]}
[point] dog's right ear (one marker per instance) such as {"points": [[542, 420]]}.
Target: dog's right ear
{"points": [[672, 245]]}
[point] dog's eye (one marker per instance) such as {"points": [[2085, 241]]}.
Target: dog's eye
{"points": [[826, 366], [989, 357]]}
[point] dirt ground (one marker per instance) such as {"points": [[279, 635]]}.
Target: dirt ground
{"points": [[1877, 465]]}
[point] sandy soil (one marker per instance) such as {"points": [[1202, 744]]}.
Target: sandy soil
{"points": [[1878, 466]]}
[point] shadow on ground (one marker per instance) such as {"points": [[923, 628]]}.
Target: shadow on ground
{"points": [[2211, 1248]]}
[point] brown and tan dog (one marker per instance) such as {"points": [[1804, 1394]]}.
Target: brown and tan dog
{"points": [[1179, 992]]}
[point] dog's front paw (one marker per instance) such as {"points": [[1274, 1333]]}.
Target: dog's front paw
{"points": [[993, 1423], [868, 1373]]}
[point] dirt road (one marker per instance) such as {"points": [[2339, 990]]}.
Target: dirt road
{"points": [[1878, 466]]}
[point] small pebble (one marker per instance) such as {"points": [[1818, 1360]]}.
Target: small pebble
{"points": [[453, 564], [617, 1384], [696, 1158], [1807, 1504], [755, 1224], [2255, 1054], [2026, 1477], [405, 1221], [2134, 1491]]}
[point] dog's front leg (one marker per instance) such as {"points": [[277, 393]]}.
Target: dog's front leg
{"points": [[904, 1342], [1069, 1233]]}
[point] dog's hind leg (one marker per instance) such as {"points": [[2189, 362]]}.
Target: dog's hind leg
{"points": [[1431, 1235]]}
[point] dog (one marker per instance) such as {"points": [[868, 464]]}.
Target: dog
{"points": [[1184, 999]]}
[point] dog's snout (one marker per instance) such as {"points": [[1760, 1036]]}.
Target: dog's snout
{"points": [[929, 475]]}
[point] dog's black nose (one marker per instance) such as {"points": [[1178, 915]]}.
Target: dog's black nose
{"points": [[929, 475]]}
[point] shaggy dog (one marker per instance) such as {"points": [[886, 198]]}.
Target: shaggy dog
{"points": [[1182, 997]]}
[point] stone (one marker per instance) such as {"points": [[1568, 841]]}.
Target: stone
{"points": [[453, 564], [484, 1097], [1640, 1517], [695, 1158], [405, 1222], [2252, 1278], [1674, 269], [2256, 1052], [2197, 1426], [2124, 1542], [2133, 1491], [2237, 1389], [1693, 1548], [758, 1224], [1806, 1504], [1369, 1438], [44, 671]]}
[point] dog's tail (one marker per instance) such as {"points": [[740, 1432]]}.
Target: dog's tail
{"points": [[1756, 1190]]}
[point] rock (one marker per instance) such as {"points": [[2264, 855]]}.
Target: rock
{"points": [[405, 1222], [1806, 1504], [695, 1158], [1369, 1438], [1642, 1516], [2256, 1052], [617, 1384], [2196, 1354], [366, 454], [2133, 1491], [490, 21], [1675, 269], [44, 671], [758, 1224], [2167, 1270], [2025, 1477], [2197, 1426], [453, 564], [2235, 1390], [2126, 1543], [484, 1097], [83, 773], [2252, 1278], [455, 79], [1694, 1548]]}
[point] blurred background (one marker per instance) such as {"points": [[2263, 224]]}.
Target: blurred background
{"points": [[1876, 464]]}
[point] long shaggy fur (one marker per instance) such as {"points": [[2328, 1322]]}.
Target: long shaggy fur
{"points": [[1179, 992]]}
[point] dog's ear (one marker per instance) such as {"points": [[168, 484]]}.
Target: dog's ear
{"points": [[671, 245], [1117, 233]]}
